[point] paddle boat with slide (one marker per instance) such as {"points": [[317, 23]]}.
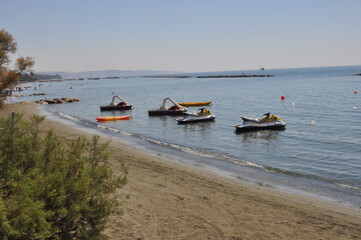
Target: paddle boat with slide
{"points": [[122, 105], [176, 109]]}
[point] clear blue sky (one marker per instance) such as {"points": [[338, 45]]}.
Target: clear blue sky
{"points": [[184, 35]]}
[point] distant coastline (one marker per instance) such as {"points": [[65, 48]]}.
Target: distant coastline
{"points": [[110, 74], [178, 76], [237, 76], [214, 76]]}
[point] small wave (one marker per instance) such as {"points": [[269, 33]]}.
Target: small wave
{"points": [[203, 153], [310, 176], [67, 116], [114, 130], [296, 174], [87, 122], [348, 186]]}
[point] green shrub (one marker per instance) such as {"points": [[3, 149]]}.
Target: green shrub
{"points": [[51, 188]]}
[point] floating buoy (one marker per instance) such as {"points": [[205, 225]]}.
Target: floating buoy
{"points": [[282, 98], [313, 123], [355, 92], [354, 108]]}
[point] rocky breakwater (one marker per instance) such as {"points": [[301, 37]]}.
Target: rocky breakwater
{"points": [[57, 100]]}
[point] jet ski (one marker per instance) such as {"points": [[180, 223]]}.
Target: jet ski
{"points": [[201, 116], [176, 109], [253, 124]]}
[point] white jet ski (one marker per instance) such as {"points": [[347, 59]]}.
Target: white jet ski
{"points": [[201, 116], [253, 124]]}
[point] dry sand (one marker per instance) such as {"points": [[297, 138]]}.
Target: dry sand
{"points": [[165, 200]]}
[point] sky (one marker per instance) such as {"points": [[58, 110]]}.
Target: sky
{"points": [[184, 35]]}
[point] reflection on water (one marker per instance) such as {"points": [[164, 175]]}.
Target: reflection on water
{"points": [[161, 117], [262, 140], [116, 113], [164, 120], [255, 136], [197, 127]]}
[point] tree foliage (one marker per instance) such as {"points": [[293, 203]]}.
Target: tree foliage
{"points": [[53, 189], [35, 77], [10, 77]]}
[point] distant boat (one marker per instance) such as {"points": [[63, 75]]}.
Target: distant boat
{"points": [[261, 68]]}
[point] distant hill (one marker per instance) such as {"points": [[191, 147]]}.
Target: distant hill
{"points": [[106, 73]]}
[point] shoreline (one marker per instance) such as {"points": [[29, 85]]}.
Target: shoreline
{"points": [[172, 201], [223, 165]]}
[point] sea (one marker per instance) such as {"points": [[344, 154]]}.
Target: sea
{"points": [[318, 154]]}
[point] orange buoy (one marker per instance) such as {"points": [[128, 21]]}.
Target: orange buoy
{"points": [[355, 92], [282, 98]]}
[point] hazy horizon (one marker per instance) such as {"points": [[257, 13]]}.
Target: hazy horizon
{"points": [[184, 36], [157, 70]]}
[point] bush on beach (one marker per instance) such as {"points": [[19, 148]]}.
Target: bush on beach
{"points": [[51, 188]]}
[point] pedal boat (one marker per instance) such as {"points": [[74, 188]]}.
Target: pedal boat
{"points": [[122, 105], [202, 116], [254, 124], [195, 104], [113, 118], [176, 109]]}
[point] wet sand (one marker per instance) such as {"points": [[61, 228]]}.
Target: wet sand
{"points": [[166, 200]]}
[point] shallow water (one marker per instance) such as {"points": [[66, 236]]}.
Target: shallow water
{"points": [[327, 153]]}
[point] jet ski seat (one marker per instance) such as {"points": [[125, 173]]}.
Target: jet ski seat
{"points": [[252, 119]]}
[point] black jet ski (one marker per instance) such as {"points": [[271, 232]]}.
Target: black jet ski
{"points": [[268, 122], [201, 116]]}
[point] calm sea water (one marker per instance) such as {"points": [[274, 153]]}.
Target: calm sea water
{"points": [[324, 159]]}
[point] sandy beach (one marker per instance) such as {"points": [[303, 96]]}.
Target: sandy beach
{"points": [[165, 200]]}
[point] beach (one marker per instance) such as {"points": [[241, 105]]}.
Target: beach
{"points": [[167, 200]]}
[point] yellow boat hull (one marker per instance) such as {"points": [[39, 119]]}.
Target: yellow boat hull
{"points": [[112, 118], [194, 104]]}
